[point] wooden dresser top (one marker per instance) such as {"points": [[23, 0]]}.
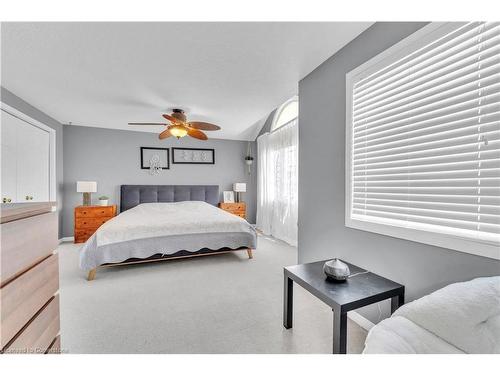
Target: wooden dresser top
{"points": [[16, 211]]}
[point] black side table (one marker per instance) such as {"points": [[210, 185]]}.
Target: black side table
{"points": [[361, 289]]}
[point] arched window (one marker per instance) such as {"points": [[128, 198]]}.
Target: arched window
{"points": [[287, 112], [277, 175]]}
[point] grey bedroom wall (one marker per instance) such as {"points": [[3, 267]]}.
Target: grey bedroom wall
{"points": [[112, 158], [322, 232], [16, 102]]}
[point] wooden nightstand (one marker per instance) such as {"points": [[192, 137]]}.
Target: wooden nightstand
{"points": [[238, 209], [89, 218]]}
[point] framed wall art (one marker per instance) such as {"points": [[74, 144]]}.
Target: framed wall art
{"points": [[182, 155], [155, 158], [228, 196]]}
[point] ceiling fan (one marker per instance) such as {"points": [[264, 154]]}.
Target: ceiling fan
{"points": [[179, 127]]}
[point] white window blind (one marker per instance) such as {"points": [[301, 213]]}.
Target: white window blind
{"points": [[424, 139]]}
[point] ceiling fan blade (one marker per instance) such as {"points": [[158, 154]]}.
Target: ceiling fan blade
{"points": [[203, 125], [147, 123], [195, 133], [172, 119], [165, 134]]}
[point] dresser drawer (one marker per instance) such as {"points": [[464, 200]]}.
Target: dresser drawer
{"points": [[40, 333], [83, 212], [90, 222], [233, 206], [82, 235], [55, 348], [26, 242], [238, 212], [25, 295]]}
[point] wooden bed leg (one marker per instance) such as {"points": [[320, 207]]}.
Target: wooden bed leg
{"points": [[250, 253], [91, 275]]}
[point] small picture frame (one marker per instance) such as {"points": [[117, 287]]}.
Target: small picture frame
{"points": [[229, 197], [161, 154]]}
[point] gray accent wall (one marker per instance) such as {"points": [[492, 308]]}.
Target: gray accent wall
{"points": [[322, 231], [112, 158], [16, 102]]}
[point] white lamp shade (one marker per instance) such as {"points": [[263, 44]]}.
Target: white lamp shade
{"points": [[86, 186], [240, 187]]}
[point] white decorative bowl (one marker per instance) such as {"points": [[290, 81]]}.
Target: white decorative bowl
{"points": [[336, 270]]}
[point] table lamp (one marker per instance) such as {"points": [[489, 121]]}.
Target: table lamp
{"points": [[238, 188], [86, 187]]}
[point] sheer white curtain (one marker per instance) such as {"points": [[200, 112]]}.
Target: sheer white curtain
{"points": [[277, 176]]}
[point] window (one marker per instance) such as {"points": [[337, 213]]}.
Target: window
{"points": [[423, 139], [287, 112], [277, 175]]}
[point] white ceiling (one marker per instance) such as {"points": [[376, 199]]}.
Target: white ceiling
{"points": [[108, 74]]}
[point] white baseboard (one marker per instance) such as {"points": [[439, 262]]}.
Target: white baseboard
{"points": [[360, 320], [66, 239]]}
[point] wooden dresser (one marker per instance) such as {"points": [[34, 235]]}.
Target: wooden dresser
{"points": [[238, 209], [89, 218], [29, 279]]}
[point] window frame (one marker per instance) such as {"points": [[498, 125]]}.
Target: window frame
{"points": [[392, 54], [278, 113]]}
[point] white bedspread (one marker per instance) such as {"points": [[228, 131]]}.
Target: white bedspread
{"points": [[164, 219]]}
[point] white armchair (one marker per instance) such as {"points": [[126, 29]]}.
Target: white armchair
{"points": [[459, 318]]}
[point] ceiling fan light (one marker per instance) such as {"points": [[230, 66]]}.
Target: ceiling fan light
{"points": [[178, 131]]}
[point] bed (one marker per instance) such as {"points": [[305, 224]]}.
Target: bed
{"points": [[162, 222]]}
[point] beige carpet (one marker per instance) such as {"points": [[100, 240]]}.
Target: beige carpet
{"points": [[217, 304]]}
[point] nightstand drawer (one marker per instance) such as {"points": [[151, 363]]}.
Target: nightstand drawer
{"points": [[237, 213], [82, 235], [233, 206], [237, 208], [91, 222], [95, 211]]}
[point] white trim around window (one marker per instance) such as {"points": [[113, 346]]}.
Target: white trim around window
{"points": [[393, 104], [277, 121]]}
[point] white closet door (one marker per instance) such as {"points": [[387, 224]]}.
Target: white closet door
{"points": [[41, 171], [32, 163], [8, 154]]}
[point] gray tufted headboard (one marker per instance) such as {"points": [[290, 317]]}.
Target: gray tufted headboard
{"points": [[132, 195]]}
